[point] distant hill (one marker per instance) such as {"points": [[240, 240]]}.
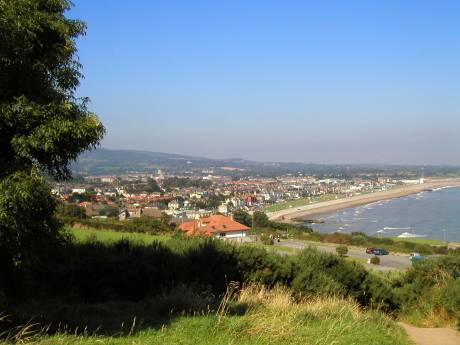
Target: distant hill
{"points": [[110, 162]]}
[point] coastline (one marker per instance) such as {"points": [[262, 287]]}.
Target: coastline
{"points": [[314, 211]]}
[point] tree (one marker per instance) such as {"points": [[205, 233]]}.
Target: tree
{"points": [[342, 250], [43, 125], [109, 211], [242, 217], [260, 219], [71, 210]]}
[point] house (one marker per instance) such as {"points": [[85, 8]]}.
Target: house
{"points": [[79, 190], [130, 213], [174, 205], [217, 226], [222, 209]]}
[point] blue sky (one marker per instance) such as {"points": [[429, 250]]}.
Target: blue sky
{"points": [[311, 81]]}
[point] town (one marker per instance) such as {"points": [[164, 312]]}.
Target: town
{"points": [[184, 198]]}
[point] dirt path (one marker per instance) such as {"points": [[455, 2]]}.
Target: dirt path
{"points": [[432, 336]]}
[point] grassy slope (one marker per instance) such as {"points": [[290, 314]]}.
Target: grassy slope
{"points": [[85, 234], [271, 318]]}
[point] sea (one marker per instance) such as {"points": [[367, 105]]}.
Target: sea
{"points": [[431, 214]]}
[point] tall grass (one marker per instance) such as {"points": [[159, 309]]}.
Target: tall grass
{"points": [[271, 316]]}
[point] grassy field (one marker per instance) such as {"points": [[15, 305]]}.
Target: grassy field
{"points": [[420, 241], [302, 202], [87, 234], [263, 317]]}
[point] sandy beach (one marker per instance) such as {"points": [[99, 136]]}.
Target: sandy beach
{"points": [[315, 211]]}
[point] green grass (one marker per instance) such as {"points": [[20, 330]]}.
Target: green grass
{"points": [[269, 317], [420, 241], [302, 202], [355, 259], [284, 249], [87, 234]]}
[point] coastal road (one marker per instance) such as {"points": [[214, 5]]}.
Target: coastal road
{"points": [[387, 262]]}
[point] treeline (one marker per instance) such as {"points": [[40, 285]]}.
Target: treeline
{"points": [[154, 226], [149, 185], [171, 183]]}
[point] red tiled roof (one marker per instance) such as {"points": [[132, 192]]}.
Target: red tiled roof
{"points": [[215, 223]]}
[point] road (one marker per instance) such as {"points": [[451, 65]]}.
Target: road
{"points": [[387, 262]]}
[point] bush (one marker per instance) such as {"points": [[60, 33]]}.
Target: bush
{"points": [[242, 217], [260, 219], [319, 273], [342, 250], [337, 238], [435, 282], [375, 260], [451, 299], [267, 240], [358, 240]]}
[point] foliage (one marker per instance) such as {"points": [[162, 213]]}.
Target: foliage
{"points": [[43, 126], [109, 211], [260, 219], [242, 217], [148, 186], [433, 282], [171, 183], [71, 210], [363, 240], [41, 121], [375, 260], [142, 224], [93, 271], [342, 250], [93, 235], [80, 197], [450, 299], [266, 239], [27, 225]]}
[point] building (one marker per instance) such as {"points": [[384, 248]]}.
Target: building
{"points": [[217, 226], [174, 205], [222, 209], [127, 213]]}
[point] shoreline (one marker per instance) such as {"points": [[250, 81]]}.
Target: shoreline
{"points": [[316, 210]]}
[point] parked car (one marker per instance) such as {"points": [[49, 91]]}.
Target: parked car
{"points": [[380, 251], [370, 250], [416, 257]]}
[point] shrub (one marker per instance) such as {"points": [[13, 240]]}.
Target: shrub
{"points": [[435, 282], [342, 250], [375, 260], [266, 239], [242, 217], [337, 238], [451, 299], [325, 274], [358, 240]]}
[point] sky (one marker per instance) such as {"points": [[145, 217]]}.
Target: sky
{"points": [[300, 81]]}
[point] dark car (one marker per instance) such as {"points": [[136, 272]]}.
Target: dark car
{"points": [[380, 251], [370, 250]]}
